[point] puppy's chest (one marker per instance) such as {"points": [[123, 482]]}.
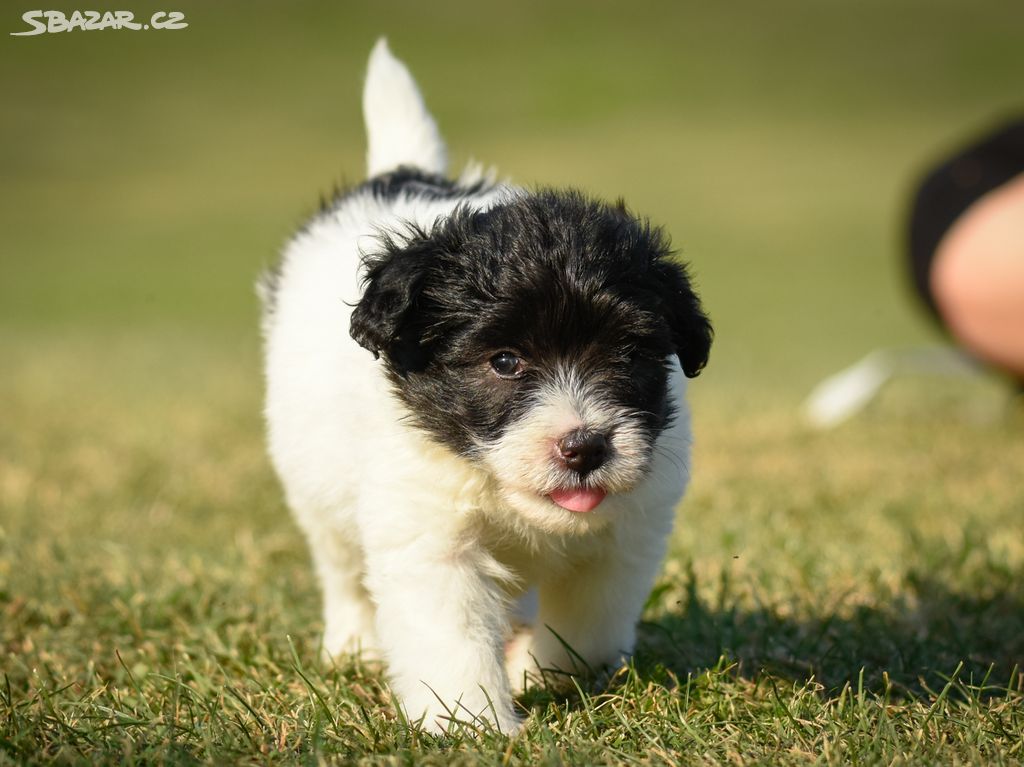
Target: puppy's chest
{"points": [[544, 557]]}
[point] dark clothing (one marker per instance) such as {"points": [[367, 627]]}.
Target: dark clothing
{"points": [[951, 188]]}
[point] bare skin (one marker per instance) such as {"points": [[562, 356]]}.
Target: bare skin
{"points": [[977, 278]]}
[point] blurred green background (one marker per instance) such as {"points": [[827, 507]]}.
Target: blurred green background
{"points": [[148, 176]]}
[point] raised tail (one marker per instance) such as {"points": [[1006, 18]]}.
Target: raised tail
{"points": [[399, 129]]}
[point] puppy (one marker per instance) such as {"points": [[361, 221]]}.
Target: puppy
{"points": [[475, 403]]}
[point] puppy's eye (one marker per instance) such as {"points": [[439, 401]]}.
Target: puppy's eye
{"points": [[508, 365]]}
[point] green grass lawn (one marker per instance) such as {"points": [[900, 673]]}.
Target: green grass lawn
{"points": [[848, 596]]}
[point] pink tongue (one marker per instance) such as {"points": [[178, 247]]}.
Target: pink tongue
{"points": [[578, 498]]}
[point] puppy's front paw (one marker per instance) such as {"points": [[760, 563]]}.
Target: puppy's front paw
{"points": [[520, 664]]}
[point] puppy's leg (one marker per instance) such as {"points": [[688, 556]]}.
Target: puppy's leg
{"points": [[518, 660], [348, 611], [441, 619], [588, 614]]}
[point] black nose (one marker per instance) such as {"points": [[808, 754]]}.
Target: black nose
{"points": [[583, 451]]}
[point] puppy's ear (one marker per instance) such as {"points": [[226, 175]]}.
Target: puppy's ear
{"points": [[387, 317], [690, 326]]}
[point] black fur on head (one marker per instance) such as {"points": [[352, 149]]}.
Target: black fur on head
{"points": [[556, 278]]}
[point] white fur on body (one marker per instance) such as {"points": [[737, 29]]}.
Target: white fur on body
{"points": [[421, 554]]}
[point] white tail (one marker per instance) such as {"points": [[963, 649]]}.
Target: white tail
{"points": [[399, 129]]}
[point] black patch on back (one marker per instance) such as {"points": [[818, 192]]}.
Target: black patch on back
{"points": [[413, 182], [405, 181]]}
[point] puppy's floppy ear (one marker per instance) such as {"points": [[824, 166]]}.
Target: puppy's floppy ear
{"points": [[385, 319], [690, 327]]}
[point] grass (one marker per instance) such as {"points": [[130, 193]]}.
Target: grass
{"points": [[849, 596]]}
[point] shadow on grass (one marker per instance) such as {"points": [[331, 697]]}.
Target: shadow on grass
{"points": [[909, 645]]}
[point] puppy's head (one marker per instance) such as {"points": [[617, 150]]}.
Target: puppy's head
{"points": [[536, 338]]}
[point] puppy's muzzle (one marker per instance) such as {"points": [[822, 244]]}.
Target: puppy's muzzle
{"points": [[583, 451]]}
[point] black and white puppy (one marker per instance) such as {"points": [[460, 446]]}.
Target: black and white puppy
{"points": [[475, 401]]}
